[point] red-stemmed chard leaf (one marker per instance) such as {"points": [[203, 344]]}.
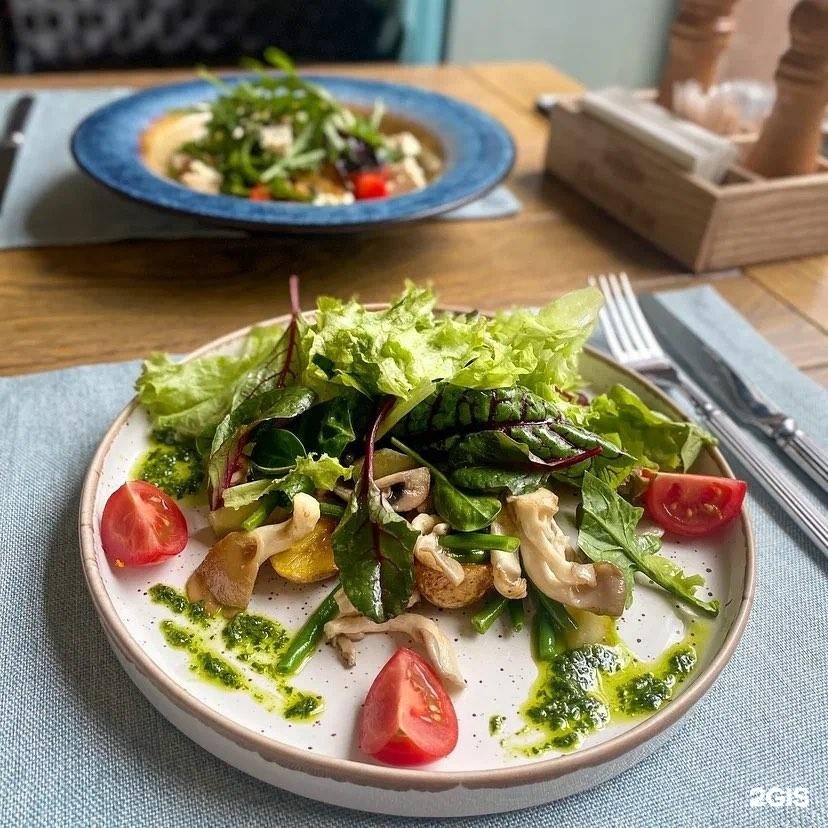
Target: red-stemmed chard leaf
{"points": [[268, 394], [373, 546]]}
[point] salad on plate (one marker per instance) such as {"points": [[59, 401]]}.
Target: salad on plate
{"points": [[279, 137], [416, 458]]}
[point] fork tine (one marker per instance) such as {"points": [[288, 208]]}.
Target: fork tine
{"points": [[622, 303], [643, 325], [614, 314], [606, 322]]}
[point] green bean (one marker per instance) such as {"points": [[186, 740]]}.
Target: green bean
{"points": [[476, 556], [257, 518], [556, 612], [489, 613], [333, 510], [480, 540], [544, 632], [516, 614], [270, 502], [303, 644]]}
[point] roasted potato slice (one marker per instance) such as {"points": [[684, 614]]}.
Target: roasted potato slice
{"points": [[435, 588], [310, 559]]}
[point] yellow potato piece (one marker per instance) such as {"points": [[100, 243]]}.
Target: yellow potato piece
{"points": [[310, 559]]}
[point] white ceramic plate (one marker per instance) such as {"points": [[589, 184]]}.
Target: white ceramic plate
{"points": [[320, 760]]}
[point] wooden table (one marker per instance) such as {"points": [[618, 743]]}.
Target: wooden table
{"points": [[72, 305]]}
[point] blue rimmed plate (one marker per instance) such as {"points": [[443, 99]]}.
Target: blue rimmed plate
{"points": [[477, 153]]}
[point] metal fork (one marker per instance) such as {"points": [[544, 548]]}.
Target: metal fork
{"points": [[633, 344]]}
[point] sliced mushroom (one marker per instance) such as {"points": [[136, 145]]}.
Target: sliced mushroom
{"points": [[429, 553], [226, 576], [419, 628], [546, 556], [405, 490], [506, 572]]}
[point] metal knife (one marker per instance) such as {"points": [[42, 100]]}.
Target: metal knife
{"points": [[742, 399], [12, 140]]}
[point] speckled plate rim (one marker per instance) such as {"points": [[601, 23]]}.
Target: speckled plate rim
{"points": [[479, 154], [379, 776]]}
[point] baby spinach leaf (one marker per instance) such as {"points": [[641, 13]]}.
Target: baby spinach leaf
{"points": [[373, 546], [608, 533], [331, 426], [463, 512], [275, 450], [498, 481]]}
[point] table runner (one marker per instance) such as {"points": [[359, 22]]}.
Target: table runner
{"points": [[79, 745], [49, 200]]}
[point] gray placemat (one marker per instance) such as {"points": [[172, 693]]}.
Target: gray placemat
{"points": [[79, 745], [49, 201]]}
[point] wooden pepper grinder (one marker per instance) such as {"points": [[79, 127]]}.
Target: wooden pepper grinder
{"points": [[699, 35], [790, 141]]}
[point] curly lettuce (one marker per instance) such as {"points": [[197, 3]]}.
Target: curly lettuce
{"points": [[397, 350], [652, 438], [191, 398]]}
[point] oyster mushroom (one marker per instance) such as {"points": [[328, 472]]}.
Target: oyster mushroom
{"points": [[506, 572], [547, 559], [343, 643], [417, 627], [429, 553], [226, 576]]}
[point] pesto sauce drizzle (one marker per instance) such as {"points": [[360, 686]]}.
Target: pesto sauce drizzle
{"points": [[585, 687], [172, 465], [222, 651]]}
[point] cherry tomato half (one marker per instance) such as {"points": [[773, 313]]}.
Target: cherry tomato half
{"points": [[693, 504], [407, 718], [141, 525], [259, 192], [370, 184]]}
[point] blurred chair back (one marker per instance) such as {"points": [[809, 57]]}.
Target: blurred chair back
{"points": [[55, 35]]}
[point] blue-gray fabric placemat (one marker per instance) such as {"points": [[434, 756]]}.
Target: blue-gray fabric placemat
{"points": [[49, 200], [79, 745]]}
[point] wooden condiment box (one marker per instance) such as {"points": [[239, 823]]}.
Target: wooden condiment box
{"points": [[744, 220]]}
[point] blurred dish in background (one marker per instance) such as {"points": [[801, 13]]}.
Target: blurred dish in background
{"points": [[279, 137], [475, 153]]}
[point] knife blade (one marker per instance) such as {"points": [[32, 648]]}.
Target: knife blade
{"points": [[735, 393], [12, 140]]}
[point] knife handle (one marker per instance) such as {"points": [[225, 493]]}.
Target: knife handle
{"points": [[788, 492], [809, 456]]}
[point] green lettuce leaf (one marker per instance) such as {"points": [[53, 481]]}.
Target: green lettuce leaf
{"points": [[652, 438], [190, 398], [608, 533], [324, 471], [399, 351], [310, 473], [554, 336]]}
